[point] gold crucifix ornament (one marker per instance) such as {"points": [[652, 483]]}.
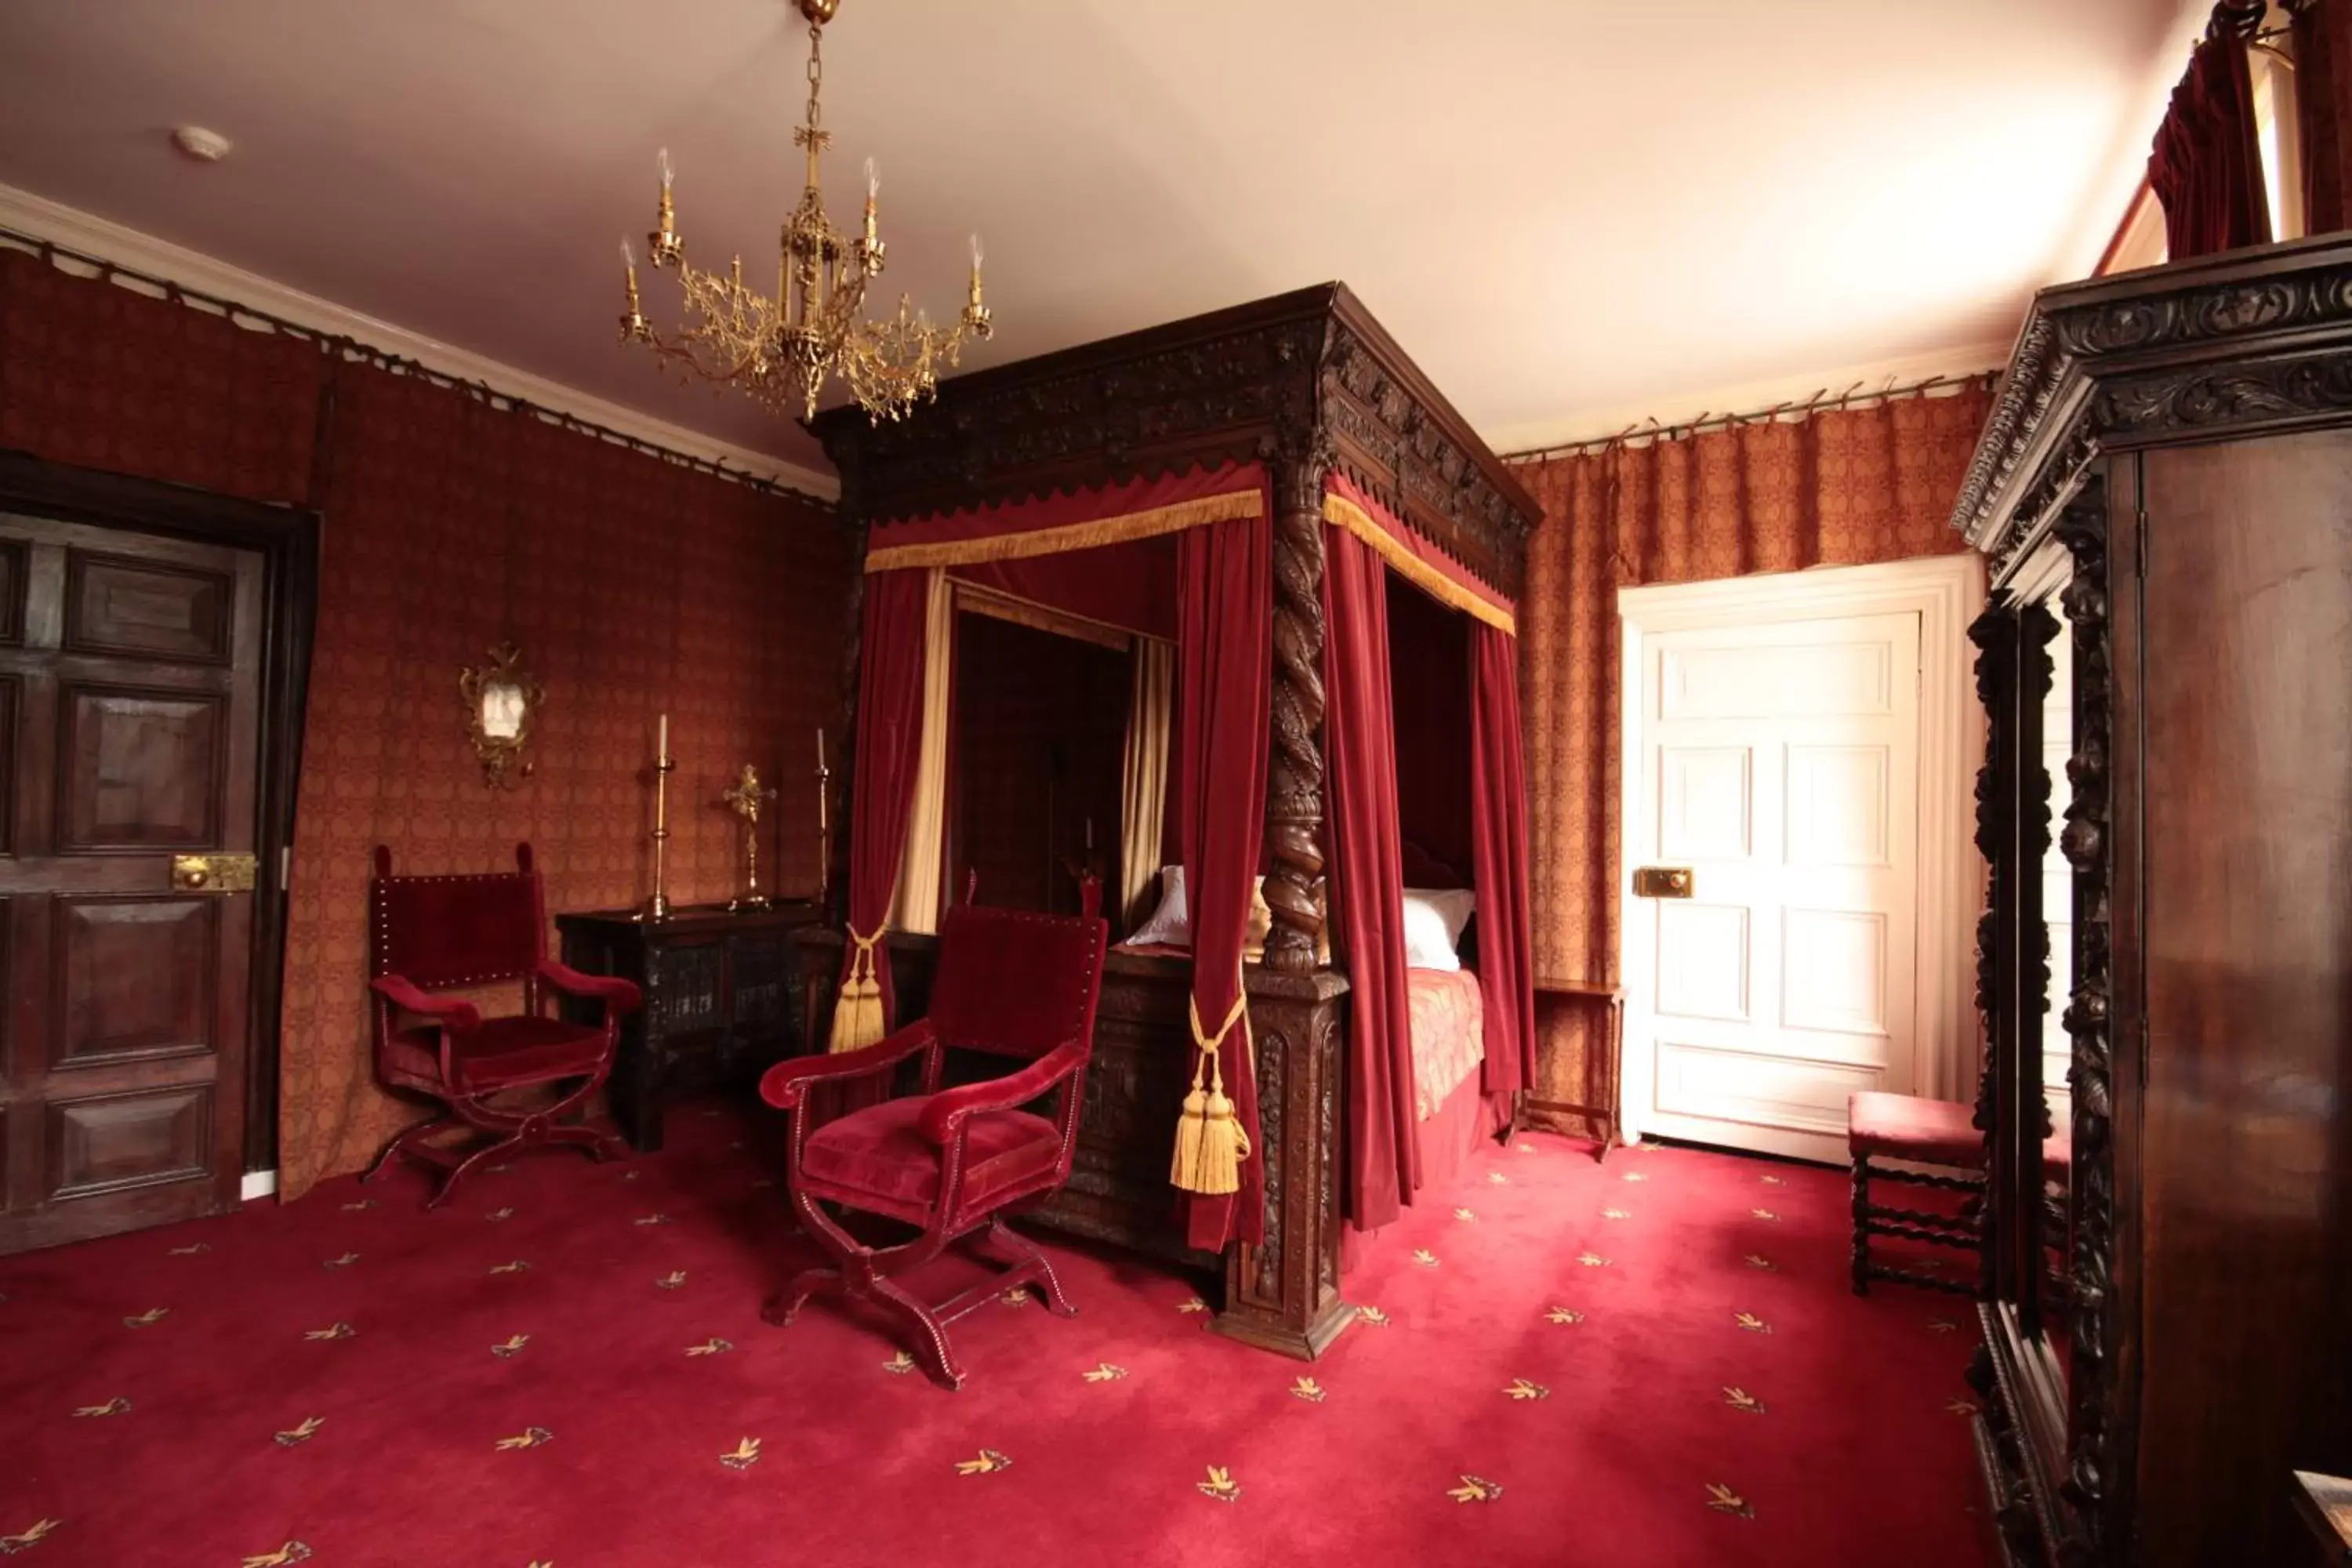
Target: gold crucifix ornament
{"points": [[744, 800]]}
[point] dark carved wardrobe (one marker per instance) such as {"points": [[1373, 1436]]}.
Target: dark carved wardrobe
{"points": [[2165, 495]]}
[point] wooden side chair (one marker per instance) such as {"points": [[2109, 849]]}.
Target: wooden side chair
{"points": [[434, 935], [951, 1162], [1923, 1132]]}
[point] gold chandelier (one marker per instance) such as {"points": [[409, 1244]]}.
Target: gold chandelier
{"points": [[784, 351]]}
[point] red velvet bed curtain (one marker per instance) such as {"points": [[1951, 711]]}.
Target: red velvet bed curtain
{"points": [[1498, 832], [890, 738], [2207, 166], [1224, 640], [1384, 1162]]}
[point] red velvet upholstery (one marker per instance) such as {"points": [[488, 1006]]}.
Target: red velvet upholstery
{"points": [[878, 1158], [429, 932], [1931, 1132], [502, 1053], [441, 932], [951, 1161]]}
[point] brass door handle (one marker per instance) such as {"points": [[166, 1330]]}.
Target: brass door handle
{"points": [[1663, 883], [212, 873]]}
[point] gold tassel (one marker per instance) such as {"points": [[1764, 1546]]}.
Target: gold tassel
{"points": [[858, 1015], [1210, 1142]]}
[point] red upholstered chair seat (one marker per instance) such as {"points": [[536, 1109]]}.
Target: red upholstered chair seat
{"points": [[1931, 1132], [504, 1053], [878, 1157], [1907, 1127]]}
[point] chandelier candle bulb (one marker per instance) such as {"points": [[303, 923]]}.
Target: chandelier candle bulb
{"points": [[664, 246], [633, 325]]}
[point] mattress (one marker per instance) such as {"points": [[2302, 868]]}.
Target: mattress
{"points": [[1449, 1035]]}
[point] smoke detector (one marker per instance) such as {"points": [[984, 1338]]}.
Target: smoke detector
{"points": [[204, 146]]}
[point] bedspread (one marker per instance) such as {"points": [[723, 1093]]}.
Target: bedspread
{"points": [[1449, 1035]]}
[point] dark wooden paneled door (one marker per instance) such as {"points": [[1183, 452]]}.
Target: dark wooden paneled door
{"points": [[129, 712]]}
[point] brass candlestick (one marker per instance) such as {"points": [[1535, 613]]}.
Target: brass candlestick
{"points": [[657, 906], [744, 801]]}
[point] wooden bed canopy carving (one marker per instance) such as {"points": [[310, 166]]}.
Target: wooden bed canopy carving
{"points": [[1310, 385]]}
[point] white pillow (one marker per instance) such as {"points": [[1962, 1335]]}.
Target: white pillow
{"points": [[1170, 924], [1433, 918]]}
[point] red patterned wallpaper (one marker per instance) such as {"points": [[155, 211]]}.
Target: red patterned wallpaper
{"points": [[632, 587]]}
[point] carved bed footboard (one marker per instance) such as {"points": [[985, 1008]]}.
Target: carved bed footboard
{"points": [[1281, 1295]]}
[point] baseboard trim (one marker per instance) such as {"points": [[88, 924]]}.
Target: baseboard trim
{"points": [[259, 1184]]}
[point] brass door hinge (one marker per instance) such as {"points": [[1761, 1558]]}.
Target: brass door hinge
{"points": [[223, 873]]}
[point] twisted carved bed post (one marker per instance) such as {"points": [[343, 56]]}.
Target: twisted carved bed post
{"points": [[1294, 784], [1284, 1294]]}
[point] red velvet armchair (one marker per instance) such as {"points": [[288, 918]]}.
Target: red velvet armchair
{"points": [[431, 934], [953, 1162]]}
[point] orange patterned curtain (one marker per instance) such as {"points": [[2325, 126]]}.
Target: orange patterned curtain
{"points": [[1848, 487]]}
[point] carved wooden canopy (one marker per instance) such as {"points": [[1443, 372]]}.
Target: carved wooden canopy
{"points": [[1306, 378], [2243, 343]]}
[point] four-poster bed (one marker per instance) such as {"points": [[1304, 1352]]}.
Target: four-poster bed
{"points": [[1257, 478]]}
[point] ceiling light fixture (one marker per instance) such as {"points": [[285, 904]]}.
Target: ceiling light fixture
{"points": [[784, 351]]}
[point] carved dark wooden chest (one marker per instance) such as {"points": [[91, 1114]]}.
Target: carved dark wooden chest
{"points": [[722, 1000], [2164, 496]]}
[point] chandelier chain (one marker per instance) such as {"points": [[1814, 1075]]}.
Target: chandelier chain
{"points": [[815, 73]]}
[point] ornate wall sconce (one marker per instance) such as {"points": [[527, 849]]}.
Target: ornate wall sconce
{"points": [[501, 703]]}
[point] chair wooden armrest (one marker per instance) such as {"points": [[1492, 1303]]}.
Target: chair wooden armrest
{"points": [[945, 1113], [617, 995], [786, 1085], [457, 1017]]}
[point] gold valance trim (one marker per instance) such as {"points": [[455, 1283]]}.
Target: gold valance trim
{"points": [[1341, 512], [1173, 518]]}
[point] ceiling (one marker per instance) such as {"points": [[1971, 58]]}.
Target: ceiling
{"points": [[1564, 209]]}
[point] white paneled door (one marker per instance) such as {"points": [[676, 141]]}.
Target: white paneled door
{"points": [[1779, 765]]}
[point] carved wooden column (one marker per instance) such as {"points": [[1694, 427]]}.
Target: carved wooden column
{"points": [[1995, 634], [1294, 785], [2092, 1329], [1285, 1295]]}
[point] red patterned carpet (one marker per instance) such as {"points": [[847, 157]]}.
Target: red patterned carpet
{"points": [[1657, 1362]]}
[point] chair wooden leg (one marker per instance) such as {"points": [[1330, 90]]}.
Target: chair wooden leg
{"points": [[400, 1143], [779, 1310], [1029, 1266], [1861, 1224], [931, 1329]]}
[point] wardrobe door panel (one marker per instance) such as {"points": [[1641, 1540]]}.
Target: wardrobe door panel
{"points": [[2246, 609]]}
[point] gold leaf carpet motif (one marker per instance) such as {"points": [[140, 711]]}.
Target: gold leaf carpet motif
{"points": [[1723, 1500]]}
